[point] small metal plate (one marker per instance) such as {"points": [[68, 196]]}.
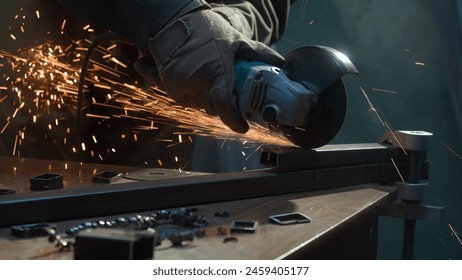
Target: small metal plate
{"points": [[150, 174], [106, 177], [46, 181], [289, 219], [244, 226], [6, 191], [31, 230]]}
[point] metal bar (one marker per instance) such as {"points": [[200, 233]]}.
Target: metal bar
{"points": [[331, 156], [413, 211], [93, 201]]}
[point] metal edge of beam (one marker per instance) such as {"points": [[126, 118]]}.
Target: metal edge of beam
{"points": [[330, 156]]}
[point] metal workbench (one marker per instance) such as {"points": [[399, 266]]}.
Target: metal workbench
{"points": [[340, 197]]}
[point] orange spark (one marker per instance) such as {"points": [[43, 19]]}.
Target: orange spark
{"points": [[372, 108], [63, 24], [396, 167], [385, 90]]}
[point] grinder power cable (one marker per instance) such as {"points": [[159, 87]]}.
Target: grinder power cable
{"points": [[305, 100]]}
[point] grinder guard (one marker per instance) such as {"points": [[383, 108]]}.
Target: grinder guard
{"points": [[318, 67], [321, 69]]}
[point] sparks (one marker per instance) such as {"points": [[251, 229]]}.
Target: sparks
{"points": [[116, 61], [372, 108], [15, 143], [47, 81], [111, 47], [396, 138], [384, 90], [63, 25], [4, 127], [451, 150], [396, 167], [455, 233]]}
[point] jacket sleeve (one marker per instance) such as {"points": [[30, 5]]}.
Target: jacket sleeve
{"points": [[260, 20], [135, 20]]}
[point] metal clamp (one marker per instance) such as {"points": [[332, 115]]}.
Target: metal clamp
{"points": [[411, 140], [411, 192]]}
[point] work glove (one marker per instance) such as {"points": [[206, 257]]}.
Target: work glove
{"points": [[195, 57]]}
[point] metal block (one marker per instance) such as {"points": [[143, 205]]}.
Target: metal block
{"points": [[413, 211], [244, 226], [7, 191], [289, 219], [46, 182], [114, 244], [31, 230], [411, 191], [106, 177]]}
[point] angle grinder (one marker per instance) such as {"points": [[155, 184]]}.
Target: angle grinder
{"points": [[305, 100]]}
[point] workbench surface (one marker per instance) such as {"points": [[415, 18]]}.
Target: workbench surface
{"points": [[333, 212]]}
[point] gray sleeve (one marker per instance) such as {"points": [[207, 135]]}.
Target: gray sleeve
{"points": [[260, 20]]}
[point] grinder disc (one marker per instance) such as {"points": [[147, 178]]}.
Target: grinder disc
{"points": [[321, 128], [319, 69]]}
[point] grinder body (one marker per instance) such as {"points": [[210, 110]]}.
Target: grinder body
{"points": [[267, 95]]}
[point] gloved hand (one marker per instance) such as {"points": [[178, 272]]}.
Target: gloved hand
{"points": [[195, 57]]}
